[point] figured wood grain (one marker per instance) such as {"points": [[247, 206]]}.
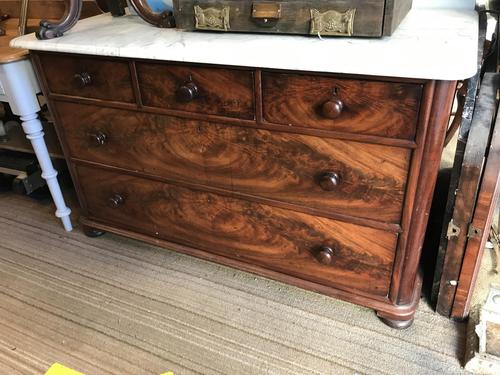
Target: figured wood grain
{"points": [[369, 107], [282, 240], [275, 165], [110, 79], [295, 15], [225, 92]]}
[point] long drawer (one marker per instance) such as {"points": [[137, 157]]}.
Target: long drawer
{"points": [[313, 248], [378, 108], [351, 178], [88, 77]]}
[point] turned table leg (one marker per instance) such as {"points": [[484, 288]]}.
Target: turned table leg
{"points": [[34, 132], [20, 86]]}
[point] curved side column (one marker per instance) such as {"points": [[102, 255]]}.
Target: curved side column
{"points": [[54, 30], [163, 19], [21, 87]]}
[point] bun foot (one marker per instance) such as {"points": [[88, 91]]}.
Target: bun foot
{"points": [[394, 322], [92, 232]]}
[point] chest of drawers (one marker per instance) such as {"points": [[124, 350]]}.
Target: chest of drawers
{"points": [[318, 180]]}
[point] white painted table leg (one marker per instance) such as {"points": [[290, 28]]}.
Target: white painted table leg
{"points": [[34, 132], [20, 86]]}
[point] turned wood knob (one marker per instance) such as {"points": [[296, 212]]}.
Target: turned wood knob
{"points": [[187, 92], [99, 138], [329, 181], [82, 79], [332, 108], [116, 200], [325, 255]]}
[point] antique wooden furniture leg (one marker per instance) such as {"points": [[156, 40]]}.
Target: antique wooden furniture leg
{"points": [[54, 30], [20, 85], [91, 232]]}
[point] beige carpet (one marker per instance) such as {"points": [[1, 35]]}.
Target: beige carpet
{"points": [[116, 306]]}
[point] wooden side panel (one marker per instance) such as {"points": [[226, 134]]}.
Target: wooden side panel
{"points": [[295, 15], [405, 272], [395, 12], [282, 240], [280, 166], [109, 79], [369, 107], [225, 92]]}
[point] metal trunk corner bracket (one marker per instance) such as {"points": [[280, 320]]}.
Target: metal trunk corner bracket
{"points": [[50, 30]]}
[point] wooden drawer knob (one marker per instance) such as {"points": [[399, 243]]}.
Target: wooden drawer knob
{"points": [[82, 79], [116, 201], [329, 181], [187, 92], [325, 255], [332, 108], [99, 138]]}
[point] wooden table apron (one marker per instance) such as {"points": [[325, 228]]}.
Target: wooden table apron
{"points": [[398, 305]]}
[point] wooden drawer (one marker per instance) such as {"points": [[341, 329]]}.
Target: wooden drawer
{"points": [[290, 168], [354, 106], [224, 92], [290, 242], [88, 77]]}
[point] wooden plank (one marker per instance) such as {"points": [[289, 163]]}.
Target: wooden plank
{"points": [[467, 190], [470, 101], [47, 9], [483, 216]]}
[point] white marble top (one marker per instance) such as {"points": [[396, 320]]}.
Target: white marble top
{"points": [[429, 44]]}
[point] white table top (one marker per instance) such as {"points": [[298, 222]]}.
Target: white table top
{"points": [[429, 44]]}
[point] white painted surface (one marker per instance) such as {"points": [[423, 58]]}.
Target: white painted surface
{"points": [[429, 44], [20, 88]]}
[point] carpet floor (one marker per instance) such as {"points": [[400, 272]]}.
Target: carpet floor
{"points": [[111, 305]]}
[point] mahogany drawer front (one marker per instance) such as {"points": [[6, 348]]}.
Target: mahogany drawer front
{"points": [[353, 106], [213, 91], [88, 77], [369, 180], [353, 257]]}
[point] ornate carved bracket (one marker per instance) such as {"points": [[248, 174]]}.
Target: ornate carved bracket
{"points": [[54, 30], [164, 19]]}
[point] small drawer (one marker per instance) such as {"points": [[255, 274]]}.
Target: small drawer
{"points": [[212, 91], [346, 105], [330, 175], [321, 250], [88, 77]]}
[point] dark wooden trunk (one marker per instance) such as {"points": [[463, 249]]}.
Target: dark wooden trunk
{"points": [[367, 18]]}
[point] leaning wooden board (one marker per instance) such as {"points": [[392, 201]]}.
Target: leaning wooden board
{"points": [[367, 18]]}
